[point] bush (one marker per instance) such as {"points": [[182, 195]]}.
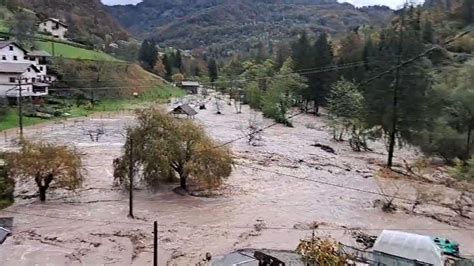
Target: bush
{"points": [[442, 140], [463, 170], [7, 185], [317, 251]]}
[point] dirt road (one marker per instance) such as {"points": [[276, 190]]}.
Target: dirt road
{"points": [[257, 209]]}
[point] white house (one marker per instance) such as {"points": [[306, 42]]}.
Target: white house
{"points": [[14, 76], [40, 60], [31, 67], [54, 27], [12, 52]]}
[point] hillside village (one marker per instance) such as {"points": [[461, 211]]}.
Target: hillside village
{"points": [[24, 73], [163, 133]]}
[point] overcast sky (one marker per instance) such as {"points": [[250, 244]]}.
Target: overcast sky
{"points": [[391, 3]]}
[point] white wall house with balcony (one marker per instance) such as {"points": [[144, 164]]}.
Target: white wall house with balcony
{"points": [[16, 63], [20, 76], [55, 27]]}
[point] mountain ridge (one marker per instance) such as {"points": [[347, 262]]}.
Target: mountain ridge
{"points": [[226, 25], [87, 19]]}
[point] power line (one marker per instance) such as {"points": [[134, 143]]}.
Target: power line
{"points": [[341, 186], [137, 222], [255, 132], [300, 72], [415, 58]]}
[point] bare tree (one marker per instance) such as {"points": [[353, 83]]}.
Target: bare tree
{"points": [[238, 104], [219, 105], [388, 199], [94, 133], [253, 131], [463, 205]]}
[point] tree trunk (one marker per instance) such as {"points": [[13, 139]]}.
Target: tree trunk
{"points": [[42, 193], [468, 144], [316, 108], [43, 185], [183, 180]]}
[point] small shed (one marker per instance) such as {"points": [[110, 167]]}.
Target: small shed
{"points": [[192, 87], [184, 110], [4, 233]]}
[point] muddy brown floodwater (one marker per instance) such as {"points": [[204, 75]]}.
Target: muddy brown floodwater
{"points": [[256, 209]]}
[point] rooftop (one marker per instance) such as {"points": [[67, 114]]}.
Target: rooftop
{"points": [[39, 53], [16, 68], [190, 83], [184, 109], [57, 21], [4, 44]]}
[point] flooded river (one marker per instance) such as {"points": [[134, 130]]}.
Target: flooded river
{"points": [[273, 208]]}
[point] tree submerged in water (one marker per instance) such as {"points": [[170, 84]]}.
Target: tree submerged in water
{"points": [[48, 165], [166, 149]]}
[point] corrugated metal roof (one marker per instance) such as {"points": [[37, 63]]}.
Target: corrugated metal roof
{"points": [[16, 68], [190, 83], [186, 109], [4, 233]]}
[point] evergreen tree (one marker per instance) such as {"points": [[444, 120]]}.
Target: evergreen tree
{"points": [[467, 11], [282, 53], [397, 102], [262, 53], [148, 54], [301, 52], [319, 82], [428, 32], [178, 63], [168, 67], [213, 70], [351, 50]]}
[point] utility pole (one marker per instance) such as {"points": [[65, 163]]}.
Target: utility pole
{"points": [[20, 108], [155, 243], [396, 87], [130, 175]]}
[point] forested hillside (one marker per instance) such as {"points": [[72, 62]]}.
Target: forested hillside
{"points": [[88, 20], [407, 83], [239, 25]]}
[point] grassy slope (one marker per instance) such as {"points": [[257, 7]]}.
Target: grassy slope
{"points": [[72, 52], [4, 14]]}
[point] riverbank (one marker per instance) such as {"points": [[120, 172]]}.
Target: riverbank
{"points": [[161, 94]]}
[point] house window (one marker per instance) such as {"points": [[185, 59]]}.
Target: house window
{"points": [[25, 57], [33, 80], [12, 80], [11, 47], [4, 57], [29, 70], [41, 68], [15, 58], [44, 24]]}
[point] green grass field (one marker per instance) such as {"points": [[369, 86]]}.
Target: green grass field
{"points": [[160, 94], [11, 120], [72, 52]]}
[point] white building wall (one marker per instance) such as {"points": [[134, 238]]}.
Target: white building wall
{"points": [[56, 29], [11, 89], [13, 54]]}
